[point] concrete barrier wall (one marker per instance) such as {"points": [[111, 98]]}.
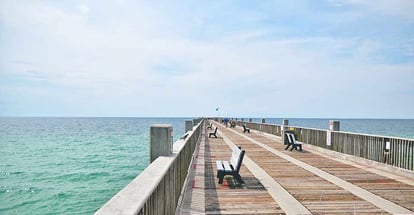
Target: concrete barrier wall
{"points": [[158, 188]]}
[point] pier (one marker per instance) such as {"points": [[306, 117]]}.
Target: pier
{"points": [[336, 173]]}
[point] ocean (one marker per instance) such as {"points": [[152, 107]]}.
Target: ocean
{"points": [[71, 165], [75, 165]]}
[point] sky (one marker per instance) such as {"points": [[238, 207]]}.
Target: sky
{"points": [[313, 59]]}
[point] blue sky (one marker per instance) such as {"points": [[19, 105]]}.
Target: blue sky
{"points": [[331, 59]]}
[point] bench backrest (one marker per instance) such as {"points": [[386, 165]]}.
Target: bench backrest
{"points": [[237, 158], [288, 139], [215, 130], [292, 139]]}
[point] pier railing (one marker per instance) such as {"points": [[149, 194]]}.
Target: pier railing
{"points": [[158, 188], [398, 152]]}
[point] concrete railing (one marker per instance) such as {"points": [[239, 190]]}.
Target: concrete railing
{"points": [[398, 152], [158, 188]]}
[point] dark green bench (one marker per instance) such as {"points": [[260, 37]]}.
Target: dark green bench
{"points": [[231, 167]]}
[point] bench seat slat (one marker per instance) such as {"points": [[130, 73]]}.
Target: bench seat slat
{"points": [[220, 165], [227, 167]]}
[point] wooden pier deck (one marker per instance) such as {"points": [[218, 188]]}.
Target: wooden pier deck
{"points": [[288, 182]]}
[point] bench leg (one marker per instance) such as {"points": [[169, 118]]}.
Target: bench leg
{"points": [[287, 147], [220, 176], [238, 178], [221, 180]]}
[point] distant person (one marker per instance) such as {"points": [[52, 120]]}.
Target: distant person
{"points": [[226, 122]]}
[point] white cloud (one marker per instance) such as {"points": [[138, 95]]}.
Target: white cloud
{"points": [[402, 8], [84, 9]]}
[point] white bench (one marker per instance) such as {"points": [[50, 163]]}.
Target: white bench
{"points": [[246, 129], [210, 126], [291, 141], [231, 167]]}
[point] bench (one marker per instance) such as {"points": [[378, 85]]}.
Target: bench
{"points": [[246, 129], [210, 126], [213, 133], [232, 124], [231, 167], [291, 141]]}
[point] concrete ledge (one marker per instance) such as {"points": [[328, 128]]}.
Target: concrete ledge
{"points": [[132, 197]]}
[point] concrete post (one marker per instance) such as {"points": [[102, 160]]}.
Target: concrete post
{"points": [[333, 125], [263, 120], [188, 125], [161, 140], [283, 127]]}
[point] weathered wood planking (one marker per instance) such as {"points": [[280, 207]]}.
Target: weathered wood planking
{"points": [[392, 190], [229, 198], [317, 194]]}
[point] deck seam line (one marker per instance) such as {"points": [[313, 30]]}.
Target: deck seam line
{"points": [[283, 198], [378, 201]]}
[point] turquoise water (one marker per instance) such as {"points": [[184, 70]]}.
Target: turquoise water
{"points": [[70, 165], [75, 165]]}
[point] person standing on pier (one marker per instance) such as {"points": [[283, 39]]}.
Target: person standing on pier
{"points": [[226, 121]]}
